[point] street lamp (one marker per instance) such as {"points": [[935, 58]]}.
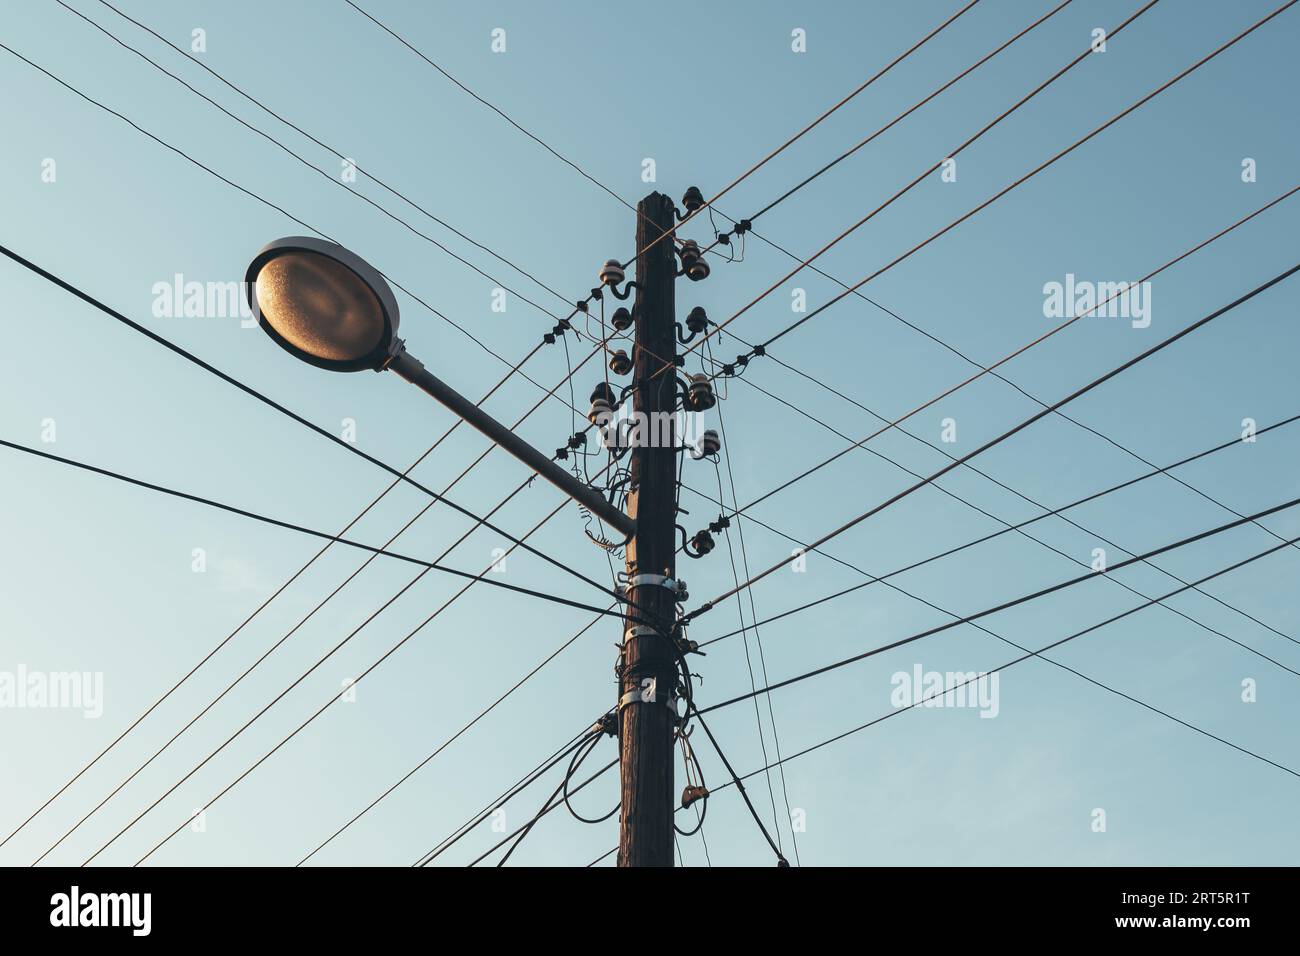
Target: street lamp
{"points": [[332, 309]]}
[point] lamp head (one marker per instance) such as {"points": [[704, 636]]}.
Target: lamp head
{"points": [[324, 304]]}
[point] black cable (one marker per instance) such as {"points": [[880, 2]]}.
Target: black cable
{"points": [[392, 650], [780, 857], [450, 740], [266, 519], [1038, 653], [514, 369], [509, 793], [1042, 592], [1164, 343], [1073, 421], [1001, 484], [198, 61], [207, 367], [895, 423], [673, 231], [546, 146], [283, 639], [1002, 192], [311, 561], [740, 610], [266, 202], [550, 801], [845, 155], [547, 808], [575, 764], [1055, 512]]}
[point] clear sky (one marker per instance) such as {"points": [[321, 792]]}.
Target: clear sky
{"points": [[99, 577]]}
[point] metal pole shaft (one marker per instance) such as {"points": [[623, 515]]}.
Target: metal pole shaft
{"points": [[413, 370]]}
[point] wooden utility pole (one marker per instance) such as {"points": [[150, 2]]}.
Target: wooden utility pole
{"points": [[648, 666]]}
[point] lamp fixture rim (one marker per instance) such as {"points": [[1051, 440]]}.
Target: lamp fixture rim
{"points": [[389, 344]]}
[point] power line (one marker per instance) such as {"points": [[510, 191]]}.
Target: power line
{"points": [[271, 205], [1009, 528], [1038, 653], [983, 370], [1073, 421], [306, 722], [266, 519], [808, 128], [741, 178], [1001, 484], [547, 808], [780, 857], [302, 621], [1006, 189], [546, 146], [246, 621], [1042, 592], [897, 195], [899, 118], [960, 76], [886, 580], [332, 179], [450, 740], [509, 793], [249, 390], [762, 657], [1164, 343]]}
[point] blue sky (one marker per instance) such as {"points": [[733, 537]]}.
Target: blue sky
{"points": [[98, 576]]}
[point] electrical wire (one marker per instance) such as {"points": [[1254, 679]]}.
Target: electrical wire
{"points": [[224, 641], [821, 383], [583, 750], [1038, 653], [1003, 485], [1024, 599], [509, 793], [450, 740], [741, 178], [249, 390], [327, 176], [896, 120], [550, 805], [740, 609], [198, 61], [325, 706], [894, 423], [1006, 530], [1159, 346], [1002, 192], [266, 519], [302, 621]]}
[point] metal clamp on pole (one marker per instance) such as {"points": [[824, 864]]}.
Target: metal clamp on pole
{"points": [[638, 695], [638, 630], [654, 580], [675, 585]]}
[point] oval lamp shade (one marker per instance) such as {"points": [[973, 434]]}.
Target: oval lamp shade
{"points": [[323, 304]]}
